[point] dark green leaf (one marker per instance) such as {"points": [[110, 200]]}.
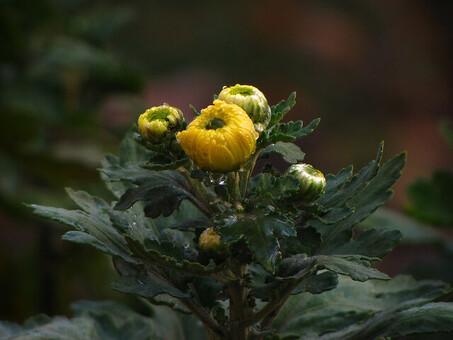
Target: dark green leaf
{"points": [[163, 191], [336, 215], [192, 224], [344, 187], [281, 109], [131, 151], [208, 290], [169, 165], [306, 242], [290, 266], [289, 151], [265, 186], [261, 235], [372, 243], [116, 187], [365, 192], [318, 283], [99, 321], [358, 268], [162, 260], [147, 286], [287, 132], [400, 321], [334, 185], [96, 226], [352, 303]]}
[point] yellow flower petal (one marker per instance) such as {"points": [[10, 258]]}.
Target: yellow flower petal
{"points": [[222, 138]]}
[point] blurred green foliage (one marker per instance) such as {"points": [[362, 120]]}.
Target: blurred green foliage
{"points": [[431, 200], [56, 70]]}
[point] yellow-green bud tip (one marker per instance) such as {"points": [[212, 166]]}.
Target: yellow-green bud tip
{"points": [[251, 100], [155, 123]]}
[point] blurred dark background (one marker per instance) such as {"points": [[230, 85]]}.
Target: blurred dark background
{"points": [[75, 74]]}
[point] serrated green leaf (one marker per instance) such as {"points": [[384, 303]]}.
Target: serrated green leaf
{"points": [[400, 321], [261, 235], [147, 286], [281, 109], [334, 184], [170, 165], [336, 215], [324, 316], [116, 187], [288, 270], [345, 186], [192, 224], [367, 191], [102, 235], [289, 151], [306, 242], [317, 284], [371, 243], [290, 266], [287, 132], [208, 290], [163, 191], [84, 238], [155, 257], [97, 321], [356, 267], [166, 248], [264, 187], [131, 151]]}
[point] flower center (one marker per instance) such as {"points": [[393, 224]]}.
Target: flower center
{"points": [[158, 113], [215, 123], [242, 90]]}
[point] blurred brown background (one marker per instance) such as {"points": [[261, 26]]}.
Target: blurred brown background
{"points": [[76, 74]]}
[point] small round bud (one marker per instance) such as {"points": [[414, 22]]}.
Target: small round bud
{"points": [[252, 101], [210, 241], [157, 122], [312, 181]]}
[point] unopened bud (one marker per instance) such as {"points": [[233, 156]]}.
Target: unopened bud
{"points": [[159, 121], [312, 182], [210, 240], [252, 101]]}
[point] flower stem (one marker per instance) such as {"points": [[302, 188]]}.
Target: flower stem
{"points": [[244, 175], [200, 192], [239, 309]]}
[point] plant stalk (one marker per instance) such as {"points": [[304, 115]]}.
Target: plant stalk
{"points": [[239, 309]]}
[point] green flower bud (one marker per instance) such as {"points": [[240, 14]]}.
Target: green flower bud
{"points": [[312, 181], [252, 101], [159, 121]]}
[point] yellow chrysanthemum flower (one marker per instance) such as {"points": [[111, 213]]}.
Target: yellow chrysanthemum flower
{"points": [[221, 138]]}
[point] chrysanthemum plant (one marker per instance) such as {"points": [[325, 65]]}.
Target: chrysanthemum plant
{"points": [[253, 255]]}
